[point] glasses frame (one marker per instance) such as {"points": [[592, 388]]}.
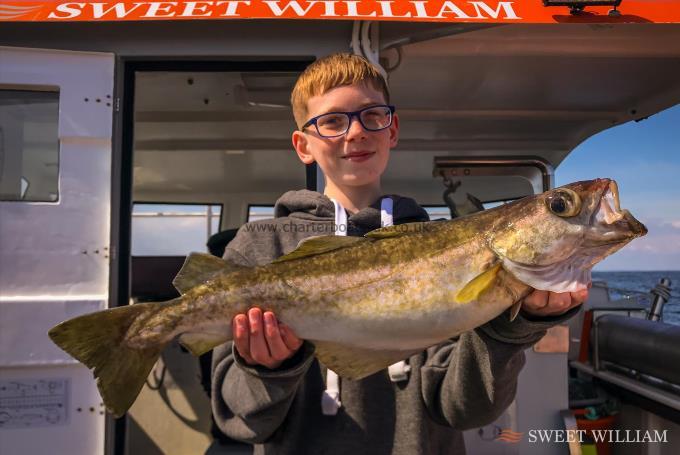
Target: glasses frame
{"points": [[351, 115]]}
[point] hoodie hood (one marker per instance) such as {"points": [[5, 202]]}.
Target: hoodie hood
{"points": [[314, 206], [304, 204]]}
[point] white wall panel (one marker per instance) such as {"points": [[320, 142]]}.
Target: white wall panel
{"points": [[54, 261]]}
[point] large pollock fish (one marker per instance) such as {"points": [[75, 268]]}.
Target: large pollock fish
{"points": [[366, 302]]}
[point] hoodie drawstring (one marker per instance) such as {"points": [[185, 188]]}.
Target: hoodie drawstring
{"points": [[330, 399]]}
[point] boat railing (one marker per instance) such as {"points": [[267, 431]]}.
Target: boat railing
{"points": [[626, 344]]}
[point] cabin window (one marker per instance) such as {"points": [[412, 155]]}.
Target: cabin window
{"points": [[29, 146], [490, 205], [437, 212], [260, 212], [173, 229]]}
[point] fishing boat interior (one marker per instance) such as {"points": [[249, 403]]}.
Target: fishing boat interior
{"points": [[201, 126]]}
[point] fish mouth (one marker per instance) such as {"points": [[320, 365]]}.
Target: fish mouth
{"points": [[609, 223]]}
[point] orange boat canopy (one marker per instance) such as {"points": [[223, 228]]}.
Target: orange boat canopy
{"points": [[479, 11]]}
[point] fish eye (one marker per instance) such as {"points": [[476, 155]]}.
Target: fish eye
{"points": [[564, 202]]}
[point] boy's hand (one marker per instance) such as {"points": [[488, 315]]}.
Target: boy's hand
{"points": [[544, 303], [261, 340]]}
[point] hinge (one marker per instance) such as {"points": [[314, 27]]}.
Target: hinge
{"points": [[116, 106]]}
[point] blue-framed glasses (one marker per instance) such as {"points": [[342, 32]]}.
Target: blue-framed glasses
{"points": [[334, 124]]}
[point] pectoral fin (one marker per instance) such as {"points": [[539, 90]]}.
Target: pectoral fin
{"points": [[356, 363], [200, 343], [514, 309], [479, 284]]}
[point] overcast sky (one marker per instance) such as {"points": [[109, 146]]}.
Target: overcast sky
{"points": [[644, 159]]}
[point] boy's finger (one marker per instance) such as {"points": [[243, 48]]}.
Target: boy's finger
{"points": [[536, 301], [240, 329], [558, 303], [258, 346], [289, 338], [277, 347], [579, 297]]}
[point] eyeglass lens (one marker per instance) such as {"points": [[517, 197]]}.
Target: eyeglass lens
{"points": [[372, 119]]}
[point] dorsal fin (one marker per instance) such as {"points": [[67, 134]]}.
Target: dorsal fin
{"points": [[198, 268], [402, 229], [312, 246]]}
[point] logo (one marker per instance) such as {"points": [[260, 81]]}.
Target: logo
{"points": [[509, 436]]}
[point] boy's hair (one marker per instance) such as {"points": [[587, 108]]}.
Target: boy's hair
{"points": [[333, 71]]}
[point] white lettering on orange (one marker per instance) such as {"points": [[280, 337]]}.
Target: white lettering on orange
{"points": [[294, 5], [72, 9], [191, 9], [506, 6], [160, 7], [386, 7], [232, 7], [98, 10], [451, 8]]}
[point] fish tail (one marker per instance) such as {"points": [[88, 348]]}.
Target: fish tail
{"points": [[98, 340]]}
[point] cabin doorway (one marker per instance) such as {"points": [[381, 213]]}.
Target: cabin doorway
{"points": [[205, 148]]}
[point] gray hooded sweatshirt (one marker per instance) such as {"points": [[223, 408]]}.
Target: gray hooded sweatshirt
{"points": [[463, 383]]}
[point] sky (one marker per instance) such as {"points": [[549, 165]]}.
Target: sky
{"points": [[644, 159]]}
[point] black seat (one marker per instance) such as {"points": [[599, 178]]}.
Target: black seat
{"points": [[218, 242], [152, 277]]}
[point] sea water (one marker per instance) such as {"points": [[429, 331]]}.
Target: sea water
{"points": [[631, 284]]}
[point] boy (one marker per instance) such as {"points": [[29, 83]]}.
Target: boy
{"points": [[269, 390]]}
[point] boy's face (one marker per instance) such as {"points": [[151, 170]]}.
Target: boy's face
{"points": [[357, 158]]}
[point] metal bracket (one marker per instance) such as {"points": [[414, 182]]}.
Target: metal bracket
{"points": [[596, 346], [366, 43], [449, 166]]}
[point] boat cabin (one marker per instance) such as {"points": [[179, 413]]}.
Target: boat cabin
{"points": [[126, 143]]}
